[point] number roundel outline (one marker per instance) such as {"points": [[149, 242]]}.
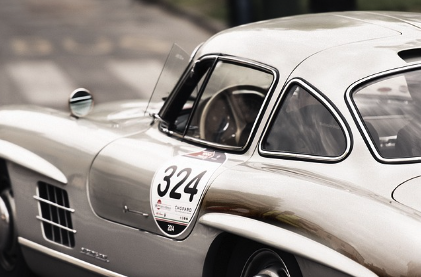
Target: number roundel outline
{"points": [[178, 187]]}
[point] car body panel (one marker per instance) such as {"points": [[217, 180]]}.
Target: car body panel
{"points": [[286, 240], [123, 172], [25, 158], [92, 231], [312, 35], [408, 193], [288, 189]]}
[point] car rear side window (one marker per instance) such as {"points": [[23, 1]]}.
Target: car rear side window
{"points": [[390, 112], [304, 127]]}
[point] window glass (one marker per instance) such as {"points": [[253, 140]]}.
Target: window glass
{"points": [[183, 116], [391, 111], [227, 105], [303, 125], [177, 61]]}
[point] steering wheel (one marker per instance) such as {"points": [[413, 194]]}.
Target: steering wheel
{"points": [[229, 112]]}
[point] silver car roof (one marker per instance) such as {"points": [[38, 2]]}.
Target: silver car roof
{"points": [[361, 43]]}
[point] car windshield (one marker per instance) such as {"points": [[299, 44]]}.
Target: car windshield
{"points": [[176, 63], [391, 112]]}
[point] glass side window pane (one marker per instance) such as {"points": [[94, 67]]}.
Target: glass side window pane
{"points": [[229, 105], [183, 116], [303, 125], [177, 61], [390, 109]]}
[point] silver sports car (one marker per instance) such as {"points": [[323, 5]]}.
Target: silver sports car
{"points": [[288, 147]]}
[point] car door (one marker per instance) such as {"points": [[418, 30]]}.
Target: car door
{"points": [[155, 180]]}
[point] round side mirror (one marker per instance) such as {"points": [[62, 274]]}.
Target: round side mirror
{"points": [[81, 102]]}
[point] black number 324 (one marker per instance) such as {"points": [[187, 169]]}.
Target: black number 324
{"points": [[182, 176]]}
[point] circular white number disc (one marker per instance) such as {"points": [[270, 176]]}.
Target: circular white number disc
{"points": [[178, 187]]}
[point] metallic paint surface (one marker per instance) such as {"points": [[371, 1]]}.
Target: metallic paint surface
{"points": [[79, 141], [122, 174], [408, 193], [346, 206], [68, 259], [302, 201], [23, 157], [284, 43], [285, 240], [130, 251]]}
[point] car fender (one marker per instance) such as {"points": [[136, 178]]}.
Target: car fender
{"points": [[284, 240], [30, 160], [32, 137]]}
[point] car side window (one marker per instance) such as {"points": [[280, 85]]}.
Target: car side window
{"points": [[184, 115], [229, 104], [389, 108], [303, 125], [222, 103]]}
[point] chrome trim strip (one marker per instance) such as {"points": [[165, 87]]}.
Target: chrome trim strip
{"points": [[285, 240], [53, 204], [67, 258], [358, 119], [216, 145], [28, 159], [127, 210], [55, 224], [328, 106], [193, 54]]}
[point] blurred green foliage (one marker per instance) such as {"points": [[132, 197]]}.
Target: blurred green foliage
{"points": [[390, 5], [218, 9]]}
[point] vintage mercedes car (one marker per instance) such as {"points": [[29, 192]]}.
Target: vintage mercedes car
{"points": [[288, 147]]}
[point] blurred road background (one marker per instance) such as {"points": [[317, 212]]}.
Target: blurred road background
{"points": [[116, 48]]}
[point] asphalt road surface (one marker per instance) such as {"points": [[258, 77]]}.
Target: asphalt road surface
{"points": [[114, 48]]}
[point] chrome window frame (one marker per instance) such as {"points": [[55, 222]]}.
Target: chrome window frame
{"points": [[328, 105], [359, 121], [253, 65]]}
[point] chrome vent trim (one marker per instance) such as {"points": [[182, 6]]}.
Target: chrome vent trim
{"points": [[55, 214]]}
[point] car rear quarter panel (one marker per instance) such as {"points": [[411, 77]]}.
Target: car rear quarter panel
{"points": [[369, 229]]}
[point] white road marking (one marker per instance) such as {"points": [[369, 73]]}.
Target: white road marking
{"points": [[140, 75], [144, 44], [100, 46], [45, 83], [31, 46], [41, 82]]}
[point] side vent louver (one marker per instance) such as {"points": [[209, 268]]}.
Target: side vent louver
{"points": [[55, 214]]}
